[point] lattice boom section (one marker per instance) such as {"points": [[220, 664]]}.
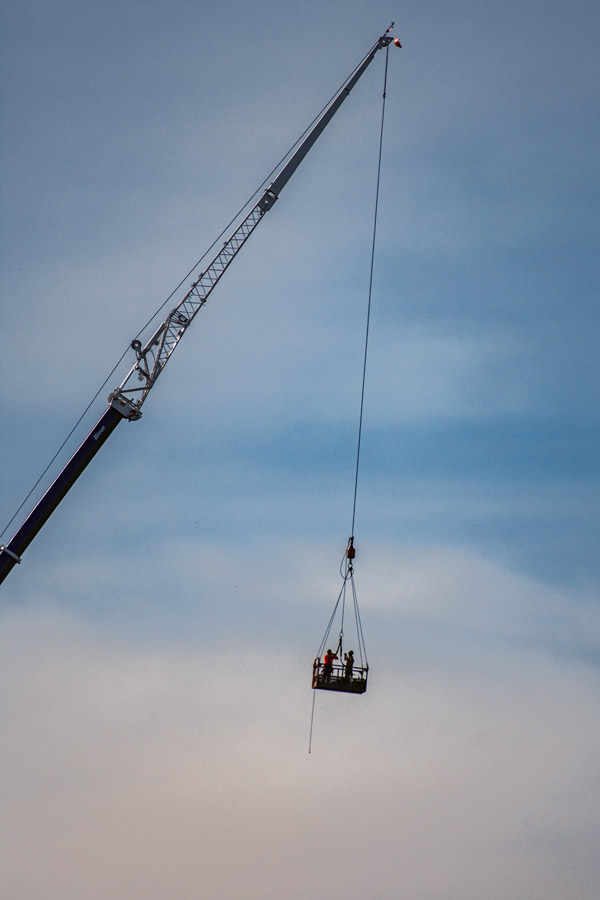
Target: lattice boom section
{"points": [[181, 317]]}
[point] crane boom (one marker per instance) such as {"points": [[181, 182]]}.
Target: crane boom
{"points": [[125, 402]]}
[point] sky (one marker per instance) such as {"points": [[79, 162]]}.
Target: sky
{"points": [[158, 637]]}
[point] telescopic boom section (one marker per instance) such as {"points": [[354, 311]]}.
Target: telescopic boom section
{"points": [[126, 401]]}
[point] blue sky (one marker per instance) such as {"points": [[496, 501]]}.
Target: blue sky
{"points": [[159, 634]]}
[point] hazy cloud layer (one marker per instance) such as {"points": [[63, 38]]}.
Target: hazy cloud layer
{"points": [[141, 763]]}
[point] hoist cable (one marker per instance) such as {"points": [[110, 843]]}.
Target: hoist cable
{"points": [[364, 373], [346, 569]]}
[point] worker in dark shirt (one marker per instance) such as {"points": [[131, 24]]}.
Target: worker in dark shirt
{"points": [[348, 665]]}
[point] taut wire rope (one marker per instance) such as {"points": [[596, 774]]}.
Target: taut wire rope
{"points": [[347, 568], [364, 372]]}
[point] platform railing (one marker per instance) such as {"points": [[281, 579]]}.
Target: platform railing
{"points": [[337, 678]]}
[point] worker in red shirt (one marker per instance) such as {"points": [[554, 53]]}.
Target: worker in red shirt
{"points": [[328, 665]]}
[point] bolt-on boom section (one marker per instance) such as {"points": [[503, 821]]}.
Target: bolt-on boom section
{"points": [[126, 401]]}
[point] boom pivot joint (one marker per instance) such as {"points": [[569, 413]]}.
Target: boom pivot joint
{"points": [[267, 200], [124, 405], [4, 549]]}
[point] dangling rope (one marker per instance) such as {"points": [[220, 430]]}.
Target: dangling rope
{"points": [[312, 719], [346, 568]]}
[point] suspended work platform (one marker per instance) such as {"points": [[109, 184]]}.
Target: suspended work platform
{"points": [[336, 670], [337, 678]]}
